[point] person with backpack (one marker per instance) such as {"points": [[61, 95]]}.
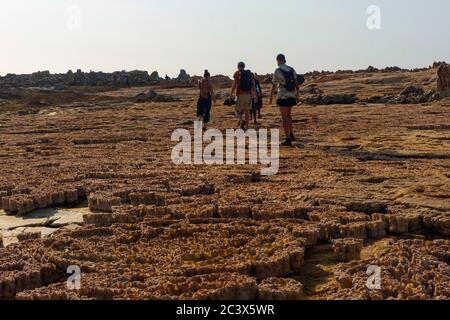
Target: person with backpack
{"points": [[257, 101], [244, 87], [285, 81], [205, 99]]}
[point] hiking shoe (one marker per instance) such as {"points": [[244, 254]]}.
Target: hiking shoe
{"points": [[286, 143]]}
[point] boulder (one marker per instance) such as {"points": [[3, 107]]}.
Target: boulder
{"points": [[413, 95], [311, 89], [153, 96], [330, 99], [443, 83], [412, 90], [379, 99]]}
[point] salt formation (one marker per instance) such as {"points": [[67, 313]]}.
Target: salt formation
{"points": [[411, 269], [157, 253], [347, 249], [90, 171], [443, 84], [280, 289]]}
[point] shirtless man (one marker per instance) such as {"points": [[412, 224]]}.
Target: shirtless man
{"points": [[205, 99]]}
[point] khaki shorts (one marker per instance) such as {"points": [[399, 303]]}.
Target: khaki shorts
{"points": [[244, 102]]}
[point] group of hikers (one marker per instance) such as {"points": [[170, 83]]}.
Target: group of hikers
{"points": [[247, 96]]}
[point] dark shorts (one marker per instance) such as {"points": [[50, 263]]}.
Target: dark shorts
{"points": [[254, 106], [257, 105], [204, 108], [287, 103]]}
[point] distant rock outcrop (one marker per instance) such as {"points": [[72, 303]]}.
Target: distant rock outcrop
{"points": [[217, 80], [266, 79], [154, 76], [371, 69], [44, 79], [437, 64], [443, 84], [183, 76]]}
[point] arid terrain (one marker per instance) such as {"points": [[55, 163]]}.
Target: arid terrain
{"points": [[87, 180]]}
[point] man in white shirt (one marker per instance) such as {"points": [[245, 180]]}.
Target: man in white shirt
{"points": [[285, 81]]}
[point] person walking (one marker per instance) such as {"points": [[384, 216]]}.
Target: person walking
{"points": [[257, 101], [285, 81], [244, 87], [205, 99]]}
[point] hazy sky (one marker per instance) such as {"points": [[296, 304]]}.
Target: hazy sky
{"points": [[167, 35]]}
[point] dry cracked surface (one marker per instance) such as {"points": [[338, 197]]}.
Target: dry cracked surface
{"points": [[92, 185]]}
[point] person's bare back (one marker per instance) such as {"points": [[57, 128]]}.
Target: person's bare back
{"points": [[206, 89]]}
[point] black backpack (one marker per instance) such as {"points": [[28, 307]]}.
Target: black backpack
{"points": [[300, 79], [246, 80], [289, 79], [229, 102]]}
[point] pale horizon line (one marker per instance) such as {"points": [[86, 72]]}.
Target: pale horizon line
{"points": [[162, 74]]}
